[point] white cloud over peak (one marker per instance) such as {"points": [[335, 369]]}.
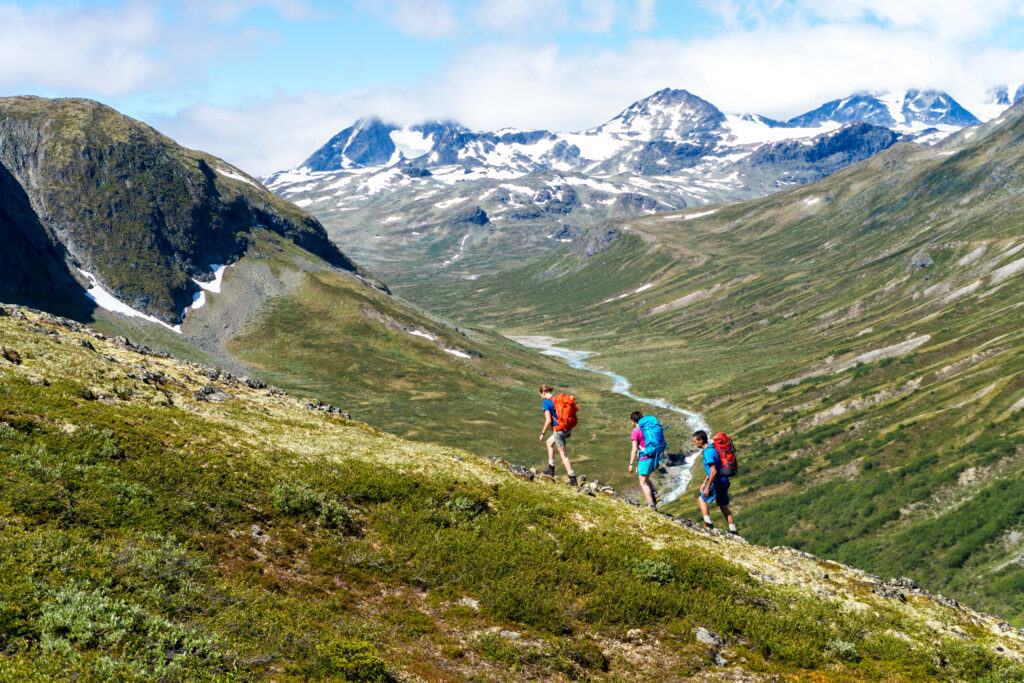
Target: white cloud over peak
{"points": [[777, 71]]}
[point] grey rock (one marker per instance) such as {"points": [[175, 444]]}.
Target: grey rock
{"points": [[520, 471], [921, 261], [473, 216], [594, 242], [720, 660], [85, 343], [254, 383], [510, 635], [709, 637]]}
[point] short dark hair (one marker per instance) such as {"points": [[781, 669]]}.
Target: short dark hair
{"points": [[635, 416], [701, 434]]}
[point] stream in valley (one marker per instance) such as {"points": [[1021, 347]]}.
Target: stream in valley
{"points": [[678, 477]]}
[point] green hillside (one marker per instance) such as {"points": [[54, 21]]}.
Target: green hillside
{"points": [[157, 523], [84, 188], [860, 337]]}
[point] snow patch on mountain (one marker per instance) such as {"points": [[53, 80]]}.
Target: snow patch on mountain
{"points": [[109, 302]]}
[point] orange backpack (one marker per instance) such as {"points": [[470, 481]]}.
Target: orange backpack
{"points": [[566, 407], [728, 467]]}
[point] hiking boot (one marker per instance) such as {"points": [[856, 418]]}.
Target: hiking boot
{"points": [[734, 532], [653, 506], [572, 480], [708, 526], [549, 471]]}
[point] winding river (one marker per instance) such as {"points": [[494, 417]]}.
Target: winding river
{"points": [[678, 476]]}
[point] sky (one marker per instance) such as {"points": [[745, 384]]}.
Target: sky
{"points": [[263, 83]]}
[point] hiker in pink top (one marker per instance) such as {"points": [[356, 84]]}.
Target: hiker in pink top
{"points": [[644, 466]]}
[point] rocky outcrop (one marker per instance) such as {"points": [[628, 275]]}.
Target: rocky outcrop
{"points": [[113, 197], [594, 241]]}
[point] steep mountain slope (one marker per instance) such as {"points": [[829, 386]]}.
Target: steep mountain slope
{"points": [[438, 200], [141, 215], [860, 336], [93, 198], [161, 522]]}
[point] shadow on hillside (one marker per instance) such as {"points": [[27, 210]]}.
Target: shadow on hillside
{"points": [[33, 265]]}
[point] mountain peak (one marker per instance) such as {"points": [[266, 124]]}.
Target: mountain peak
{"points": [[666, 114], [910, 110]]}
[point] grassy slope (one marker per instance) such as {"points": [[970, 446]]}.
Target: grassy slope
{"points": [[906, 464], [333, 338], [148, 534]]}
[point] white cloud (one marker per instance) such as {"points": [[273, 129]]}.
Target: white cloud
{"points": [[643, 17], [521, 15], [776, 72], [947, 18], [431, 19], [270, 134], [229, 10], [106, 51], [598, 16]]}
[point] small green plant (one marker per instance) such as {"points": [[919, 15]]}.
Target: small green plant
{"points": [[841, 650], [657, 571], [295, 499], [343, 660]]}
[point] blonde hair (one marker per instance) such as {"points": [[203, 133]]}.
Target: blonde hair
{"points": [[546, 389]]}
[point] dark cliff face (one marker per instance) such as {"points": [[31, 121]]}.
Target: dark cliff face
{"points": [[129, 205], [826, 153], [33, 268]]}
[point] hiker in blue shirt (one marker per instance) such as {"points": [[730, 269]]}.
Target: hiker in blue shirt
{"points": [[558, 436], [715, 488]]}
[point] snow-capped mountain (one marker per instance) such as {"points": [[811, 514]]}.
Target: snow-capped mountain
{"points": [[371, 142], [914, 112], [437, 191]]}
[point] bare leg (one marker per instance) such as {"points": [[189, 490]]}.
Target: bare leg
{"points": [[703, 507], [645, 486], [551, 449], [725, 511], [565, 459]]}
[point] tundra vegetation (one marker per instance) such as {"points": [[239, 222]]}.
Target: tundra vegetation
{"points": [[859, 337], [151, 531]]}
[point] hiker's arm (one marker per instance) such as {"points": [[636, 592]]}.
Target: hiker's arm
{"points": [[547, 423], [632, 456], [712, 475]]}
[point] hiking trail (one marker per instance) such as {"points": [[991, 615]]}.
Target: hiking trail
{"points": [[678, 475]]}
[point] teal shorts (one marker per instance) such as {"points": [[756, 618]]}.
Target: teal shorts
{"points": [[645, 466]]}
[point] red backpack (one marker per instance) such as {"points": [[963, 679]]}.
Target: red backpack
{"points": [[566, 407], [726, 455]]}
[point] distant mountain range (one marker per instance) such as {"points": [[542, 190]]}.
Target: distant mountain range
{"points": [[442, 197]]}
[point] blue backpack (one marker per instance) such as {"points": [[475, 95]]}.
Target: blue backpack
{"points": [[654, 437]]}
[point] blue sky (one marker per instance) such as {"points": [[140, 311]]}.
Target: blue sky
{"points": [[263, 82]]}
